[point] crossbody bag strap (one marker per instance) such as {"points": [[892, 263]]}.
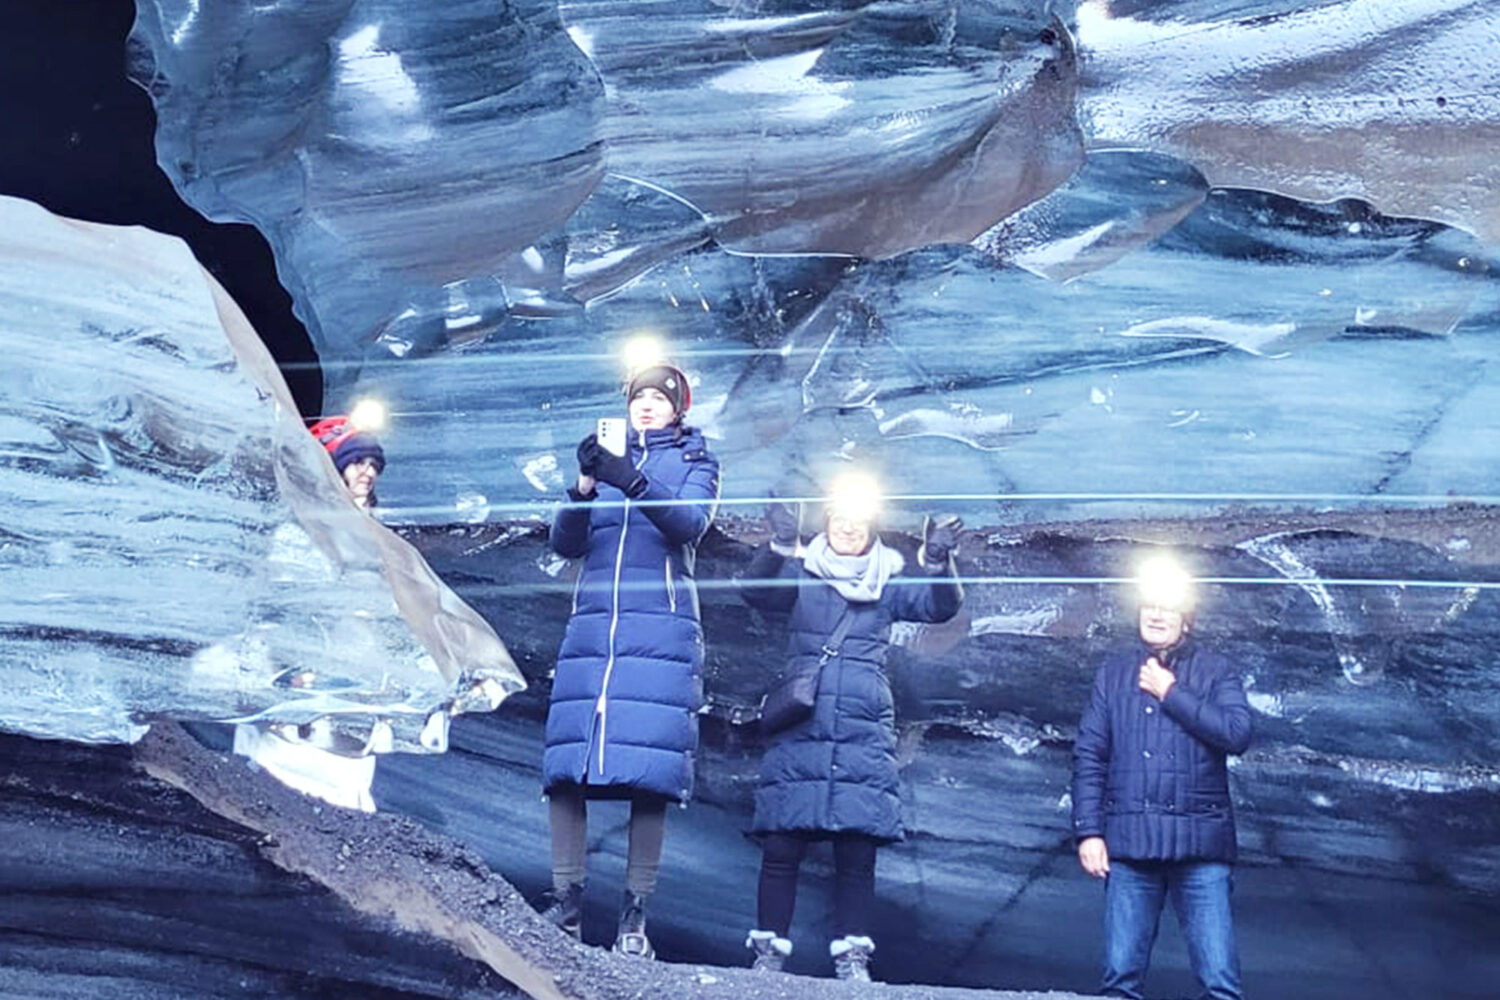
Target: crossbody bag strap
{"points": [[840, 633]]}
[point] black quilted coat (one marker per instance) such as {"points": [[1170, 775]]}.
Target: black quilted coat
{"points": [[1150, 777]]}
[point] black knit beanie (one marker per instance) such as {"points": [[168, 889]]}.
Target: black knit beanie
{"points": [[669, 380]]}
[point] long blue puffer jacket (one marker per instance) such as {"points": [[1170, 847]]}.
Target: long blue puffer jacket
{"points": [[836, 772], [1151, 777], [625, 695]]}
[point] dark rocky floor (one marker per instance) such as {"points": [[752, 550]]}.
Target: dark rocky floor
{"points": [[206, 879], [113, 885]]}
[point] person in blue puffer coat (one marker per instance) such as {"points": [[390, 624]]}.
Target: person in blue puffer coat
{"points": [[1151, 807], [832, 776], [622, 722]]}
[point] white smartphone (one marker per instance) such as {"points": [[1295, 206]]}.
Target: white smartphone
{"points": [[611, 435]]}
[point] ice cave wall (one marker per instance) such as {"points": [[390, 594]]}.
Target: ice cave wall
{"points": [[175, 544], [1040, 259]]}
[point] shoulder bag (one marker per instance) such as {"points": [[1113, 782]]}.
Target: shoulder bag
{"points": [[791, 701]]}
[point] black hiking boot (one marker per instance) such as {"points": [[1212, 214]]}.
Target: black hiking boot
{"points": [[566, 910], [632, 939]]}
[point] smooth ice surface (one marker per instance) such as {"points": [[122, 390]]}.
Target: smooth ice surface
{"points": [[383, 147], [413, 166], [175, 544], [857, 128]]}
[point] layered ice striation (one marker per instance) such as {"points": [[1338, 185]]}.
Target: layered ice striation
{"points": [[953, 241], [175, 544], [1238, 344]]}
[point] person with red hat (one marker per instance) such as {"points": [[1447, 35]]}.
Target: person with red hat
{"points": [[356, 453], [622, 721], [308, 758]]}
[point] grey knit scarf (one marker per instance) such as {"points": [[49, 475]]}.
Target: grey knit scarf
{"points": [[858, 578]]}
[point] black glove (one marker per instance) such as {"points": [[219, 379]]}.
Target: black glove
{"points": [[619, 472], [939, 538], [784, 523], [589, 450]]}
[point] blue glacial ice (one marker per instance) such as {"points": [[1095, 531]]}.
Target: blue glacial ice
{"points": [[863, 129], [176, 545], [1030, 260], [1205, 361], [952, 240], [1397, 104]]}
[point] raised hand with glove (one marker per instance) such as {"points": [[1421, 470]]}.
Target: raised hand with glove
{"points": [[939, 539], [785, 524], [588, 451]]}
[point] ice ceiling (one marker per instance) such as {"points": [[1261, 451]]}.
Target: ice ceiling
{"points": [[1193, 247]]}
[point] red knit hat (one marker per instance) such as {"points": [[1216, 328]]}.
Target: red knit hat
{"points": [[347, 443]]}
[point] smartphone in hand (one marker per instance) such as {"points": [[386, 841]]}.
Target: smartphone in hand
{"points": [[611, 435]]}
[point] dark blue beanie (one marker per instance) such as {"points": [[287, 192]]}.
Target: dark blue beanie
{"points": [[357, 446]]}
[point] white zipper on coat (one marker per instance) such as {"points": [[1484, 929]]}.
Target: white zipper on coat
{"points": [[671, 590], [601, 707]]}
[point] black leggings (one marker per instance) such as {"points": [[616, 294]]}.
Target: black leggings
{"points": [[853, 886]]}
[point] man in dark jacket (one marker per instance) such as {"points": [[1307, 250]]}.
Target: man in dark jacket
{"points": [[1151, 807]]}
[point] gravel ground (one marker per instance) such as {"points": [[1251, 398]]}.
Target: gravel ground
{"points": [[391, 867]]}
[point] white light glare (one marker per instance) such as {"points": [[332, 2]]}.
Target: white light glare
{"points": [[855, 495], [643, 351], [1165, 583], [368, 415]]}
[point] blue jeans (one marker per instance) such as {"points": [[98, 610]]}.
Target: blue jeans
{"points": [[1133, 897]]}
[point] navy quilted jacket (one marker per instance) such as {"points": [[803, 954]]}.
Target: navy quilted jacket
{"points": [[1150, 777], [625, 695], [836, 772]]}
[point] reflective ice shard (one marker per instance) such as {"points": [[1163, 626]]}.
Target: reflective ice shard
{"points": [[1395, 104], [865, 129], [1118, 201], [175, 543]]}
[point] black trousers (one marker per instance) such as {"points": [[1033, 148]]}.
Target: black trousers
{"points": [[853, 885]]}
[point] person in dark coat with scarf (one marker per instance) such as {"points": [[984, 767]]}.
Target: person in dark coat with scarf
{"points": [[832, 776], [622, 722], [1151, 807]]}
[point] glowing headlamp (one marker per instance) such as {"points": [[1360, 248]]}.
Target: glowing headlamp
{"points": [[855, 495], [1163, 582], [643, 351], [368, 415]]}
